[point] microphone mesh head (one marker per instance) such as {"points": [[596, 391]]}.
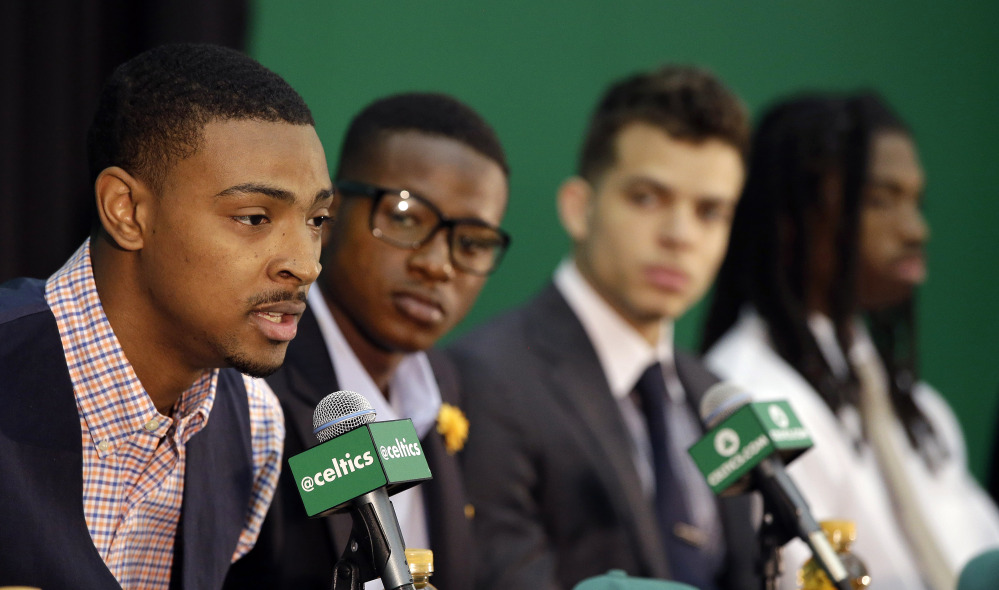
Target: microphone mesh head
{"points": [[720, 401], [346, 409]]}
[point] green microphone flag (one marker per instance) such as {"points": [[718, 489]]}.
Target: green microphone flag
{"points": [[331, 474], [736, 445]]}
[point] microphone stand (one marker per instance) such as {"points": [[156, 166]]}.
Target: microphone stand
{"points": [[370, 546], [772, 538], [778, 528], [346, 573]]}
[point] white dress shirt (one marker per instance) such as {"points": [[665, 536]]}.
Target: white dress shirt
{"points": [[839, 476], [415, 395]]}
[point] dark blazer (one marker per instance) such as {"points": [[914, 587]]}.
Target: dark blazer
{"points": [[297, 552], [44, 539], [549, 462]]}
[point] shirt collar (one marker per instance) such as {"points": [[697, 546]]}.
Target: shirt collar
{"points": [[862, 348], [623, 353], [109, 396], [415, 393], [824, 332]]}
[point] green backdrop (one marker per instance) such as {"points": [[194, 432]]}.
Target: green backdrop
{"points": [[534, 70]]}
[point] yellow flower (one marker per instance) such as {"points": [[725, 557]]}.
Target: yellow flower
{"points": [[452, 423]]}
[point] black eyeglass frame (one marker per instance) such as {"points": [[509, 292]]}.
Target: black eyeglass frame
{"points": [[362, 189]]}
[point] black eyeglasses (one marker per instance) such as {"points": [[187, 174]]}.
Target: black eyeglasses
{"points": [[407, 220]]}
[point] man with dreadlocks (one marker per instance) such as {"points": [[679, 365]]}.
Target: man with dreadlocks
{"points": [[828, 234]]}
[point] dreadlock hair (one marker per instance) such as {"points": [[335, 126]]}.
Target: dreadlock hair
{"points": [[893, 330], [428, 113], [798, 146], [154, 107], [686, 102]]}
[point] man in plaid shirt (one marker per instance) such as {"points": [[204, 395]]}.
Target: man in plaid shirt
{"points": [[133, 453]]}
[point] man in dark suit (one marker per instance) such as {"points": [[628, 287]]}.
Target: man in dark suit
{"points": [[580, 411], [421, 190]]}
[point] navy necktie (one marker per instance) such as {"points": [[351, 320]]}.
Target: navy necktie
{"points": [[687, 563]]}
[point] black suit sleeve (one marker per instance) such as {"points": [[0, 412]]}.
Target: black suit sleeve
{"points": [[503, 481]]}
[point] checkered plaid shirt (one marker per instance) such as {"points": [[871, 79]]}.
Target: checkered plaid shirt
{"points": [[134, 457]]}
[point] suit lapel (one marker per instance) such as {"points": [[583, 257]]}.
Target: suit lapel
{"points": [[310, 377], [309, 364], [306, 377], [735, 511], [696, 379], [448, 525], [579, 386]]}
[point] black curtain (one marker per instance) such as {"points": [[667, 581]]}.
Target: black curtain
{"points": [[54, 56]]}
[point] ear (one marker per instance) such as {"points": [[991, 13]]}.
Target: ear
{"points": [[121, 203], [575, 202]]}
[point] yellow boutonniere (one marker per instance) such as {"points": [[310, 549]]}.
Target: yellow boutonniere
{"points": [[452, 423]]}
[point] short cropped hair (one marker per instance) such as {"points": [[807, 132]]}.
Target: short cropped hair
{"points": [[428, 113], [153, 109], [687, 102]]}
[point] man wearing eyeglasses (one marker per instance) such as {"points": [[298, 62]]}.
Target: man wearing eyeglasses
{"points": [[421, 190]]}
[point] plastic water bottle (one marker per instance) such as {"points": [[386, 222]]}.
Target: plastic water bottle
{"points": [[841, 534], [421, 566]]}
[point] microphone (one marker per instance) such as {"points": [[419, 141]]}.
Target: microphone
{"points": [[747, 445], [357, 464], [339, 413]]}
